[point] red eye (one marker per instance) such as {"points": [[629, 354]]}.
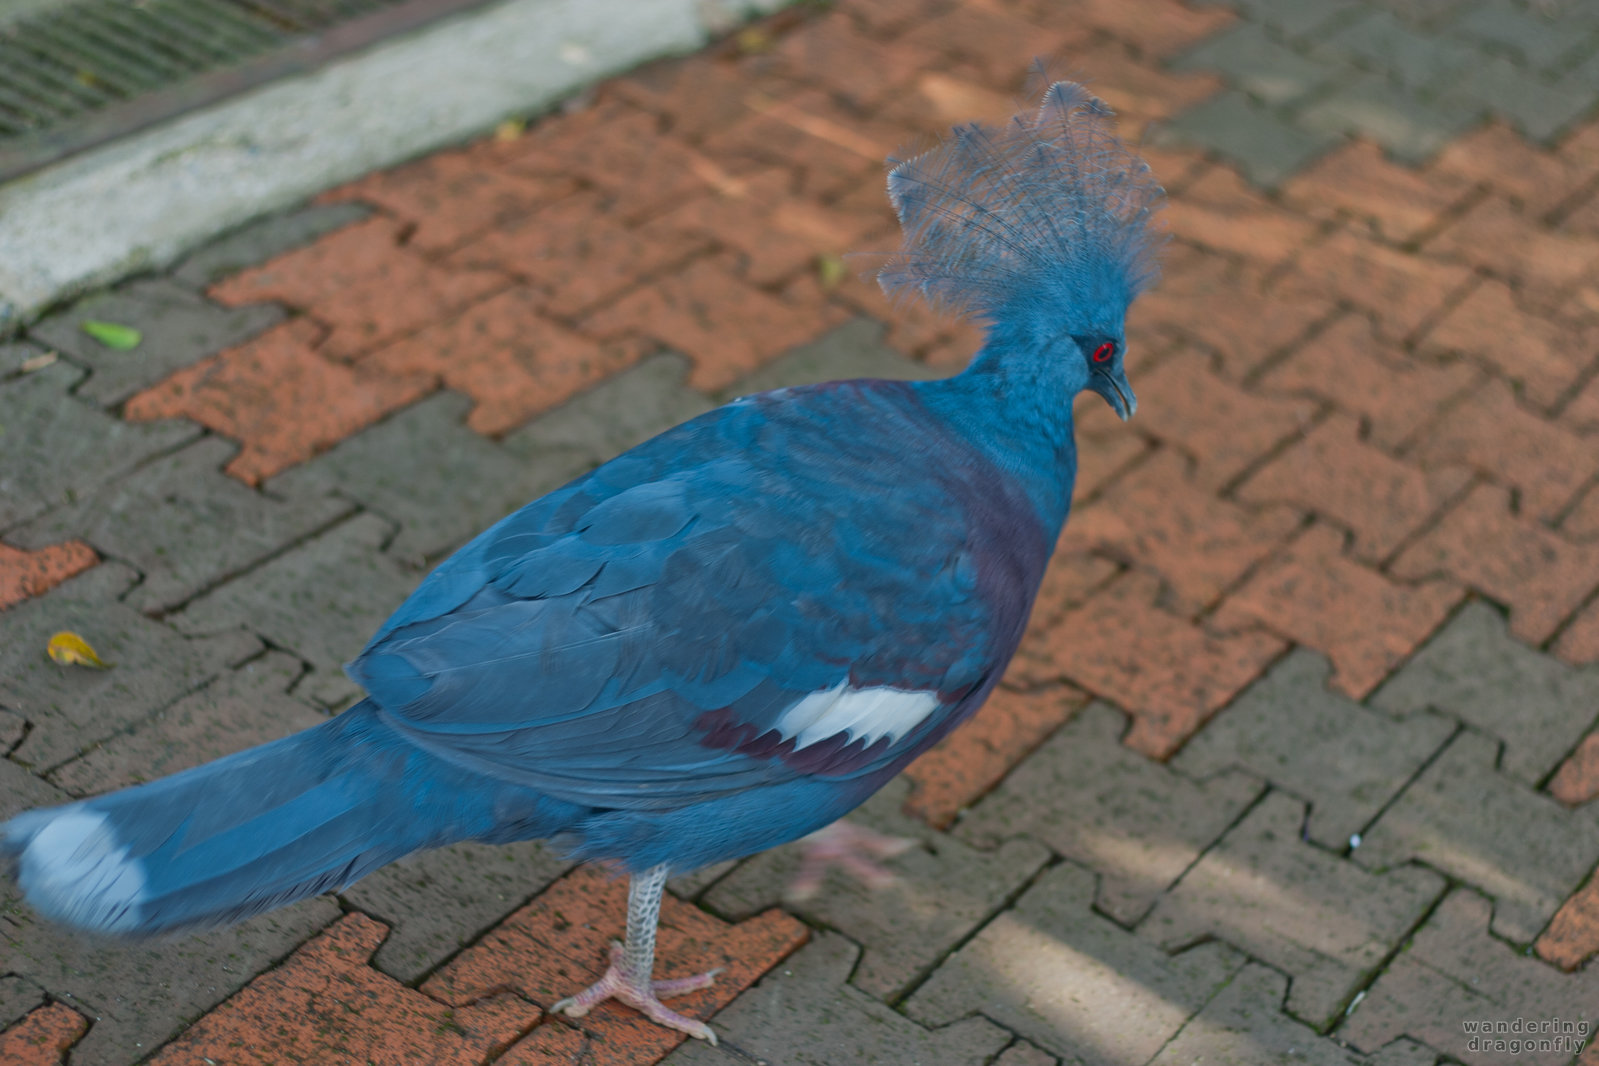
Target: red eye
{"points": [[1104, 351]]}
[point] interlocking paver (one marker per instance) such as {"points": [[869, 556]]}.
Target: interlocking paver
{"points": [[437, 902], [59, 448], [325, 1002], [1497, 156], [321, 601], [183, 524], [1326, 922], [1466, 818], [1264, 146], [1403, 291], [43, 1037], [556, 945], [265, 239], [1495, 237], [1072, 981], [1547, 358], [177, 327], [1363, 373], [1472, 670], [1383, 42], [945, 890], [1259, 64], [1455, 973], [1242, 1027], [1225, 428], [1396, 202], [1364, 622], [1540, 108], [71, 709], [1510, 558], [1577, 780], [1289, 730], [1135, 823], [1152, 517], [1334, 473], [1573, 935], [278, 397], [33, 573], [239, 709], [807, 1014]]}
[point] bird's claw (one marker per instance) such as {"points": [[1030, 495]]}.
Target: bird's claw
{"points": [[851, 847], [643, 996]]}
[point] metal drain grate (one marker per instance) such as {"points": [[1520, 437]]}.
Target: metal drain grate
{"points": [[85, 72]]}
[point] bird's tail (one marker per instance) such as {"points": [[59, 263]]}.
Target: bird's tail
{"points": [[256, 830], [1015, 223]]}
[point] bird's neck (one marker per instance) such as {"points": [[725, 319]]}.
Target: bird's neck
{"points": [[1017, 411]]}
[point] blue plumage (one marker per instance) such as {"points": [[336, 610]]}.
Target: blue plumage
{"points": [[719, 641]]}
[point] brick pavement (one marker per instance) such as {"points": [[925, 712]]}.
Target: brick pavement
{"points": [[1300, 758]]}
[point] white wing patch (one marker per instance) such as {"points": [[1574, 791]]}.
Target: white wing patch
{"points": [[863, 713]]}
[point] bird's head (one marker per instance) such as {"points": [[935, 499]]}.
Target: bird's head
{"points": [[1042, 229]]}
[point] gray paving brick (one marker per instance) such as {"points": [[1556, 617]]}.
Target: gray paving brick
{"points": [[1454, 972], [1243, 1027], [1305, 19], [1537, 40], [1264, 146], [59, 448], [321, 601], [1291, 730], [1325, 921], [946, 890], [241, 708], [183, 523], [1467, 819], [612, 417], [1474, 671], [1371, 106], [17, 997], [73, 708], [437, 902], [265, 238], [179, 327], [1268, 70], [1540, 109], [1023, 1053], [805, 1013], [138, 995], [853, 350], [1071, 981], [21, 791], [1383, 43], [440, 482], [1137, 823], [12, 728]]}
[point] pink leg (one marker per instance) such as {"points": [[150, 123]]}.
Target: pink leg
{"points": [[628, 978], [851, 847]]}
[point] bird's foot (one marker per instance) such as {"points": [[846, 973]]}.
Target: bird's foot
{"points": [[643, 995], [851, 847]]}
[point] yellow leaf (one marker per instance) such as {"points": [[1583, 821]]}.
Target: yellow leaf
{"points": [[510, 129], [69, 649], [830, 271], [754, 41]]}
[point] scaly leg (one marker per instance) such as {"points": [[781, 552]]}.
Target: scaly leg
{"points": [[628, 978]]}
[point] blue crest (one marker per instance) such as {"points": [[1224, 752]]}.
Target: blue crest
{"points": [[1044, 224]]}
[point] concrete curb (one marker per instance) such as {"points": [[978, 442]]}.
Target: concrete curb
{"points": [[140, 203]]}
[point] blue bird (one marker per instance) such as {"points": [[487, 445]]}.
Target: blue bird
{"points": [[723, 639]]}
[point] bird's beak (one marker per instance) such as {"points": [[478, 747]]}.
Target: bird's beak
{"points": [[1113, 386]]}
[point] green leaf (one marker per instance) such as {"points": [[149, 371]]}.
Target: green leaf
{"points": [[112, 335]]}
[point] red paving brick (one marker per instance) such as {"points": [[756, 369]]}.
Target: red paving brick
{"points": [[33, 573], [326, 1004], [514, 362], [43, 1037], [1397, 203], [1501, 240], [362, 284], [1364, 623], [1159, 29], [1544, 357], [1500, 158], [970, 761], [1573, 936], [1351, 365], [278, 397], [1221, 211], [1577, 780], [1155, 519], [1579, 643], [999, 43], [1335, 474], [1404, 291], [557, 945], [1508, 558], [1170, 675]]}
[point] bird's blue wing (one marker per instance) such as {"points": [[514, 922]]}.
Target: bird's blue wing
{"points": [[688, 620]]}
